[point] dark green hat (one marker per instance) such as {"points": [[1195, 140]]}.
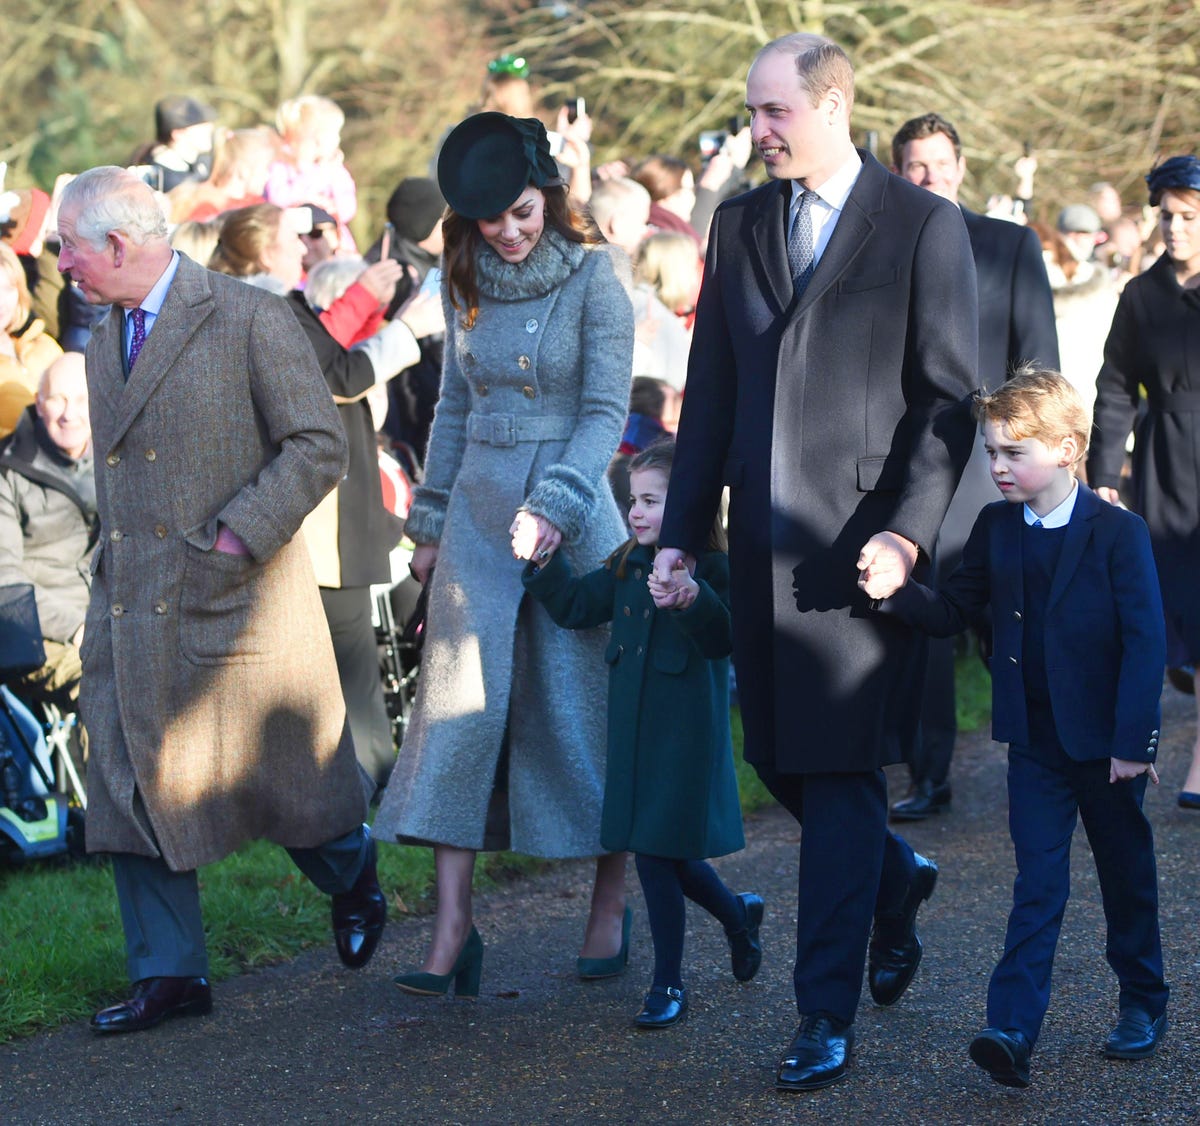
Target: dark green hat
{"points": [[489, 159]]}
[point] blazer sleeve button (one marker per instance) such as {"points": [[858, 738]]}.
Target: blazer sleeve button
{"points": [[1012, 660], [113, 460], [1016, 615]]}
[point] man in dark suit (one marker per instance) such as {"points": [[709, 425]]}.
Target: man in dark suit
{"points": [[1016, 326], [825, 388]]}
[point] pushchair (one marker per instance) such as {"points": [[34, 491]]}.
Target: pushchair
{"points": [[36, 819]]}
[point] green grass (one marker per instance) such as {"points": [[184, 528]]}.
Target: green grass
{"points": [[61, 934]]}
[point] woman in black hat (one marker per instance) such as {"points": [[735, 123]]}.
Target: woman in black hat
{"points": [[505, 747], [1155, 344]]}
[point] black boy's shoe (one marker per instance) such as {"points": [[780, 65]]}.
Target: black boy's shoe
{"points": [[1135, 1036], [745, 949], [895, 950], [1004, 1054], [817, 1056], [923, 801], [663, 1007]]}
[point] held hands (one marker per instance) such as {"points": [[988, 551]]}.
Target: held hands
{"points": [[534, 538], [671, 584], [885, 563], [1124, 770], [424, 558]]}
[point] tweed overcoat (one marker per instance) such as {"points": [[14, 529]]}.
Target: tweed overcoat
{"points": [[209, 689], [533, 401], [831, 417], [1154, 344], [670, 788]]}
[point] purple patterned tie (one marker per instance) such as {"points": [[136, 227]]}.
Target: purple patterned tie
{"points": [[138, 316]]}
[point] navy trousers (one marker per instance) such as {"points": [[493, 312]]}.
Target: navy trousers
{"points": [[1047, 791], [160, 909], [851, 869]]}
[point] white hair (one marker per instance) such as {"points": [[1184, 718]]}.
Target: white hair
{"points": [[328, 280], [109, 198], [610, 196]]}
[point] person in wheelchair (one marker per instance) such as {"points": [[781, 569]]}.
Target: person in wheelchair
{"points": [[48, 523]]}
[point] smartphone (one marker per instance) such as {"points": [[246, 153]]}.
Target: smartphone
{"points": [[736, 124], [385, 243], [556, 142], [711, 141], [576, 108], [433, 281]]}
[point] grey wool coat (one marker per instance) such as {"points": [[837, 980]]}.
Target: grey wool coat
{"points": [[209, 689], [533, 401]]}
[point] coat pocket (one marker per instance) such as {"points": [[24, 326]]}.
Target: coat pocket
{"points": [[873, 279], [876, 474], [669, 659], [220, 608]]}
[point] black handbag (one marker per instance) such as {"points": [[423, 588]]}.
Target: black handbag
{"points": [[21, 648]]}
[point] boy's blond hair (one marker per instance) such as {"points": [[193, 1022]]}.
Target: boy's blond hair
{"points": [[1037, 403]]}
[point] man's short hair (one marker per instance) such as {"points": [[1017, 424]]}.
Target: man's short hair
{"points": [[917, 129], [610, 196], [820, 64], [109, 198], [1037, 403]]}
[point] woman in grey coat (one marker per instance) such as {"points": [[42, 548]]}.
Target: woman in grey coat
{"points": [[506, 744]]}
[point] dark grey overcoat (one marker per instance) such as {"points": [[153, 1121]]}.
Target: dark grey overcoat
{"points": [[210, 691], [830, 418]]}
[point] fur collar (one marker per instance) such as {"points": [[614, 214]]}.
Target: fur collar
{"points": [[548, 265]]}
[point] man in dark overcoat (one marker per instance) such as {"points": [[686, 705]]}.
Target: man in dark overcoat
{"points": [[1016, 326], [209, 691], [833, 352]]}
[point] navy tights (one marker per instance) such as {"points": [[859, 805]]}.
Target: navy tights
{"points": [[665, 882]]}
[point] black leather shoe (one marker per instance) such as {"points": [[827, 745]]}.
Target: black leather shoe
{"points": [[924, 800], [1004, 1055], [154, 1000], [895, 950], [359, 915], [663, 1007], [817, 1056], [1136, 1036], [745, 950]]}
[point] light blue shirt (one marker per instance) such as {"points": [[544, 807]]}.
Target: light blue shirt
{"points": [[153, 301], [1056, 517], [831, 199]]}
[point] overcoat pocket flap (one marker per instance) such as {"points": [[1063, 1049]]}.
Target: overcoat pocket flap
{"points": [[873, 279], [669, 658], [877, 473]]}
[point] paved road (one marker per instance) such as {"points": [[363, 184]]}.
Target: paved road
{"points": [[311, 1042]]}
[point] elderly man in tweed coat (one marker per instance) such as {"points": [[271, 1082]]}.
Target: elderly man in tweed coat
{"points": [[209, 685]]}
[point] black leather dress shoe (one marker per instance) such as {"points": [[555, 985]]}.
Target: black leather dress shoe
{"points": [[1136, 1035], [1004, 1055], [359, 915], [895, 950], [817, 1056], [154, 1000], [745, 949], [923, 801], [663, 1007]]}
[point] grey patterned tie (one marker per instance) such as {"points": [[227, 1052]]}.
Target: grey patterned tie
{"points": [[800, 243]]}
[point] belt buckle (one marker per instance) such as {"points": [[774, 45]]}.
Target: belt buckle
{"points": [[504, 431]]}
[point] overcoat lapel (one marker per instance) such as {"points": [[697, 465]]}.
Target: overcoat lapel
{"points": [[768, 240], [105, 369]]}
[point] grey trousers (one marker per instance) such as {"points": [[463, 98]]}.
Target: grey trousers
{"points": [[160, 909]]}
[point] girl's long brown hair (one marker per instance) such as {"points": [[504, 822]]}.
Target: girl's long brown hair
{"points": [[661, 456], [462, 239]]}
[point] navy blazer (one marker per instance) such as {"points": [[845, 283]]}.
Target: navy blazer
{"points": [[1105, 641]]}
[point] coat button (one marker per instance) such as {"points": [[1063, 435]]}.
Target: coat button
{"points": [[117, 609], [160, 530], [637, 574], [1154, 733], [528, 392], [1016, 615], [626, 611], [646, 612], [640, 650], [113, 459], [1013, 660], [531, 325], [150, 455], [160, 607], [115, 535], [468, 359], [482, 389], [523, 362]]}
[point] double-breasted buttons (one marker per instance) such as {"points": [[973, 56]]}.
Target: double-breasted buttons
{"points": [[626, 611], [528, 392], [1154, 734], [117, 610], [637, 572], [113, 460], [640, 650], [646, 612], [1016, 615], [524, 362], [531, 325], [160, 608], [469, 359], [150, 455], [482, 389], [160, 530], [116, 535]]}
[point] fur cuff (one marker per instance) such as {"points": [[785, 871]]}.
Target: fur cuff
{"points": [[427, 516], [565, 498]]}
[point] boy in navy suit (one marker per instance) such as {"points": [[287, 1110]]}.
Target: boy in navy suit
{"points": [[1078, 654]]}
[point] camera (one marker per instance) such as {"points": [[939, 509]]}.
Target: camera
{"points": [[713, 140], [149, 174]]}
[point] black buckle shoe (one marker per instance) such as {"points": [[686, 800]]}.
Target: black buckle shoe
{"points": [[663, 1007]]}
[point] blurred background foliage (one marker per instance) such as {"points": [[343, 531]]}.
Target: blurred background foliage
{"points": [[1096, 87]]}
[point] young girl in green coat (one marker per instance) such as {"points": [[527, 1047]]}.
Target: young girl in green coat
{"points": [[670, 793]]}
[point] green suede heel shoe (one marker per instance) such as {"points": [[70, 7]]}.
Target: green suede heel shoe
{"points": [[593, 969], [466, 974]]}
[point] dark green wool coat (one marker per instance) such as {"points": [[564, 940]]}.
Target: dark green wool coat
{"points": [[670, 788]]}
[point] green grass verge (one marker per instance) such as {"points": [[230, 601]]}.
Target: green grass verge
{"points": [[61, 933]]}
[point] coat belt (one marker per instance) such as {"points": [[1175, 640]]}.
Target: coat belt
{"points": [[508, 429], [1172, 402]]}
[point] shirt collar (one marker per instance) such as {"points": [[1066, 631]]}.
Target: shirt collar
{"points": [[153, 301], [1057, 517], [836, 190]]}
